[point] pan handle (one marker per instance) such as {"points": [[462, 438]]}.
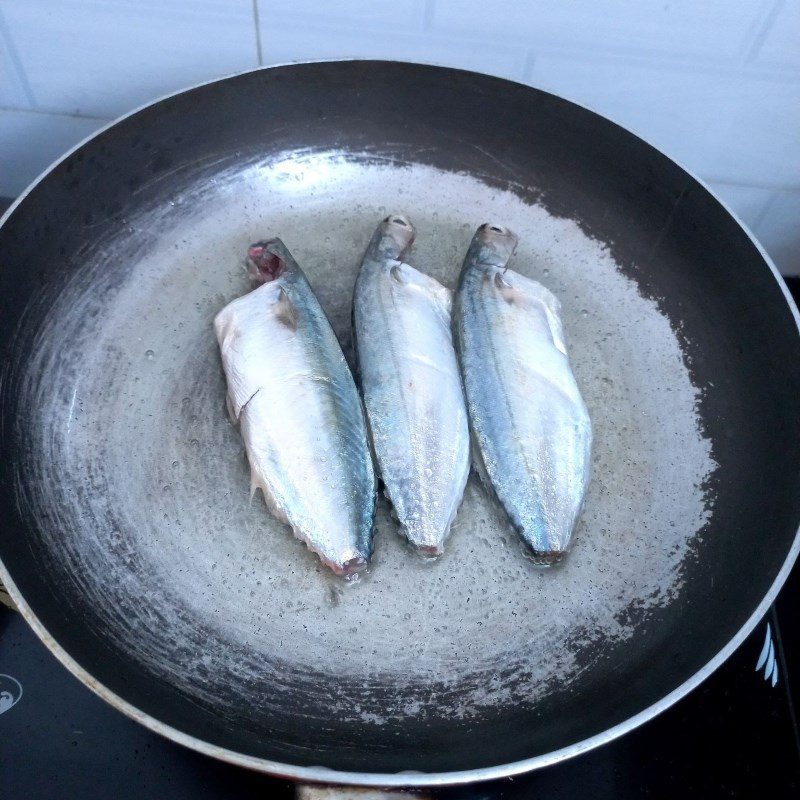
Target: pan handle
{"points": [[306, 792]]}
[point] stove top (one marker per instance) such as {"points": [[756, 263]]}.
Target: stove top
{"points": [[734, 736]]}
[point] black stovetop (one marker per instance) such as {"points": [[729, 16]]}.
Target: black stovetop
{"points": [[734, 736]]}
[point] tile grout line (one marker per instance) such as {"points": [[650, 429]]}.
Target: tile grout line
{"points": [[528, 66], [714, 180], [257, 23], [762, 215], [427, 15], [50, 113], [751, 52], [5, 35]]}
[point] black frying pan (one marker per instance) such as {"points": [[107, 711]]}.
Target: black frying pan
{"points": [[129, 540]]}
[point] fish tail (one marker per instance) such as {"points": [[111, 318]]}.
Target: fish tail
{"points": [[491, 246], [391, 239]]}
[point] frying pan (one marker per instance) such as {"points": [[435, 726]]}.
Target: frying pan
{"points": [[130, 542]]}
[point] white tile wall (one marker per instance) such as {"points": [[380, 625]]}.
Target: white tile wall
{"points": [[749, 203], [716, 122], [29, 141], [399, 14], [707, 28], [781, 44], [14, 90], [104, 57], [287, 40], [779, 231], [714, 83]]}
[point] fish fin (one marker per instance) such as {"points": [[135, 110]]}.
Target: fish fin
{"points": [[556, 329], [232, 415], [510, 282], [224, 329], [285, 310], [500, 281], [443, 297], [505, 288], [552, 307], [235, 410], [480, 465], [257, 482]]}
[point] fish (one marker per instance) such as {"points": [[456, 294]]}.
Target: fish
{"points": [[293, 396], [411, 385], [530, 425]]}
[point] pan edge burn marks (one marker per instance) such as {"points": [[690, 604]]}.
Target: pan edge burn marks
{"points": [[142, 484]]}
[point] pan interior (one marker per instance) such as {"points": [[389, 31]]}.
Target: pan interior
{"points": [[140, 482]]}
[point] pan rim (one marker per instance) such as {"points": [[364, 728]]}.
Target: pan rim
{"points": [[326, 775]]}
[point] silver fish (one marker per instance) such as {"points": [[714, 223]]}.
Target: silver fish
{"points": [[411, 386], [300, 415], [531, 428]]}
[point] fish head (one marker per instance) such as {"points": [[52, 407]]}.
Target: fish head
{"points": [[393, 237], [267, 260], [493, 245]]}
